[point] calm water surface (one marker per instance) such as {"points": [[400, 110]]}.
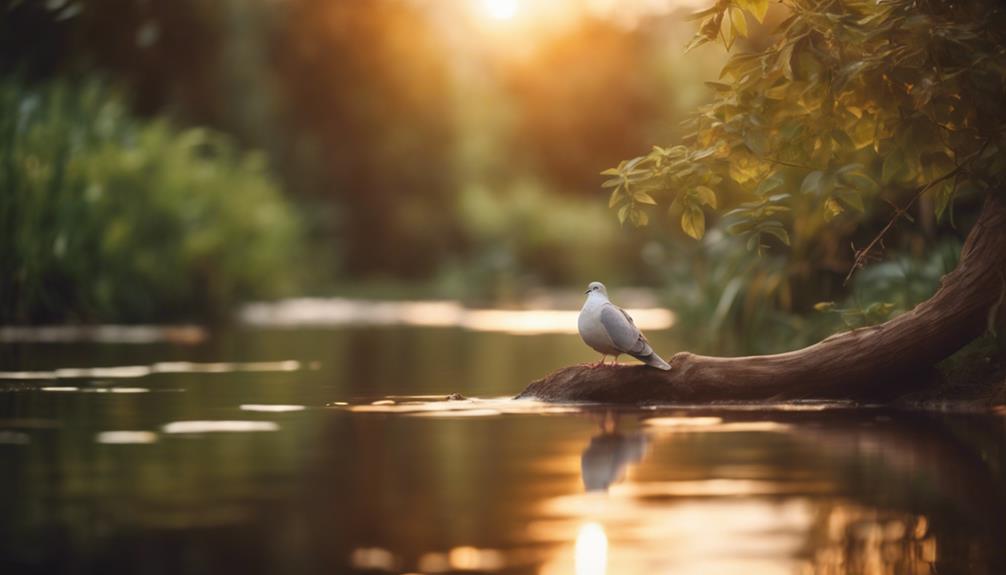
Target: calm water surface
{"points": [[336, 451]]}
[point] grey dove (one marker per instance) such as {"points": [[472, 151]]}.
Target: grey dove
{"points": [[610, 331]]}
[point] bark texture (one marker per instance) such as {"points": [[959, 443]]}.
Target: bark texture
{"points": [[877, 362]]}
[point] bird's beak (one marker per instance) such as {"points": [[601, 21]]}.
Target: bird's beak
{"points": [[588, 291]]}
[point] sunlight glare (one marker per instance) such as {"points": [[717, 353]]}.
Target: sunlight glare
{"points": [[501, 9], [591, 550]]}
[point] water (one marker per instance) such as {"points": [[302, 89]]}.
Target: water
{"points": [[263, 451]]}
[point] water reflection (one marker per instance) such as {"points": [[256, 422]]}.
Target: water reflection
{"points": [[162, 367], [843, 497], [332, 312], [606, 457], [352, 479], [591, 550]]}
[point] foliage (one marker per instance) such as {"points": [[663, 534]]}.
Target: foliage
{"points": [[521, 237], [845, 115], [733, 303], [105, 217], [894, 286], [726, 302], [854, 101]]}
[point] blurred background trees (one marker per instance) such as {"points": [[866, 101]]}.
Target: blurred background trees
{"points": [[433, 147], [451, 149]]}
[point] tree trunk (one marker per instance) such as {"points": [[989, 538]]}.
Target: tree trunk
{"points": [[877, 362]]}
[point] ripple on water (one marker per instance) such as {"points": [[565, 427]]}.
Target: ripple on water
{"points": [[72, 389], [218, 426], [451, 408], [124, 437], [271, 407], [137, 371], [711, 425]]}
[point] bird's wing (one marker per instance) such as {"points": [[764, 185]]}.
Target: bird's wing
{"points": [[624, 334]]}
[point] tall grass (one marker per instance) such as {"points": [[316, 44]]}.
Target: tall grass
{"points": [[106, 217]]}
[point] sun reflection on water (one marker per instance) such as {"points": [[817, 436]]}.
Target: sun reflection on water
{"points": [[591, 554]]}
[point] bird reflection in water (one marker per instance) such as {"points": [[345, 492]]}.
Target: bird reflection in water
{"points": [[609, 453]]}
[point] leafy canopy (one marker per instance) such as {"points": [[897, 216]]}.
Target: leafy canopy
{"points": [[853, 101]]}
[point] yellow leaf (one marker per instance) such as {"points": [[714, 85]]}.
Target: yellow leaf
{"points": [[727, 33], [758, 8], [616, 197], [863, 132], [706, 196], [641, 219], [739, 22], [644, 198], [832, 209], [693, 222], [745, 167]]}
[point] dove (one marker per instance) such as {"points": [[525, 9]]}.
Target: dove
{"points": [[609, 330]]}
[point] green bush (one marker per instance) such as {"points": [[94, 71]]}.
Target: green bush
{"points": [[106, 217]]}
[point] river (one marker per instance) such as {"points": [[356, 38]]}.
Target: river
{"points": [[339, 450]]}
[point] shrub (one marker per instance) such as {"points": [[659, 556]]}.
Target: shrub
{"points": [[106, 217]]}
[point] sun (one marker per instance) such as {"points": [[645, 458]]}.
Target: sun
{"points": [[501, 9]]}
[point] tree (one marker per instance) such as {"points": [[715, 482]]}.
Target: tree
{"points": [[852, 106]]}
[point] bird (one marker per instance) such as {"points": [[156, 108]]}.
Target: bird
{"points": [[610, 331]]}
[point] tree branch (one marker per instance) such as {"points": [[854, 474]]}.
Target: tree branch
{"points": [[862, 254]]}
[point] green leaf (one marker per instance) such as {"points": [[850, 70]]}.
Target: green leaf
{"points": [[611, 172], [895, 166], [824, 306], [623, 213], [780, 233], [706, 196], [851, 198], [612, 183], [943, 198], [860, 181], [812, 183], [643, 198], [770, 184], [741, 227], [693, 222]]}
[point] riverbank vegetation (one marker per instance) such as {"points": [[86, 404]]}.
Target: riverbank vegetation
{"points": [[109, 217]]}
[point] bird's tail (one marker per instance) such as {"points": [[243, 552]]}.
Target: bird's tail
{"points": [[654, 360]]}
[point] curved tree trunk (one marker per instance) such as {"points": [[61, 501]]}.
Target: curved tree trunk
{"points": [[876, 362]]}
